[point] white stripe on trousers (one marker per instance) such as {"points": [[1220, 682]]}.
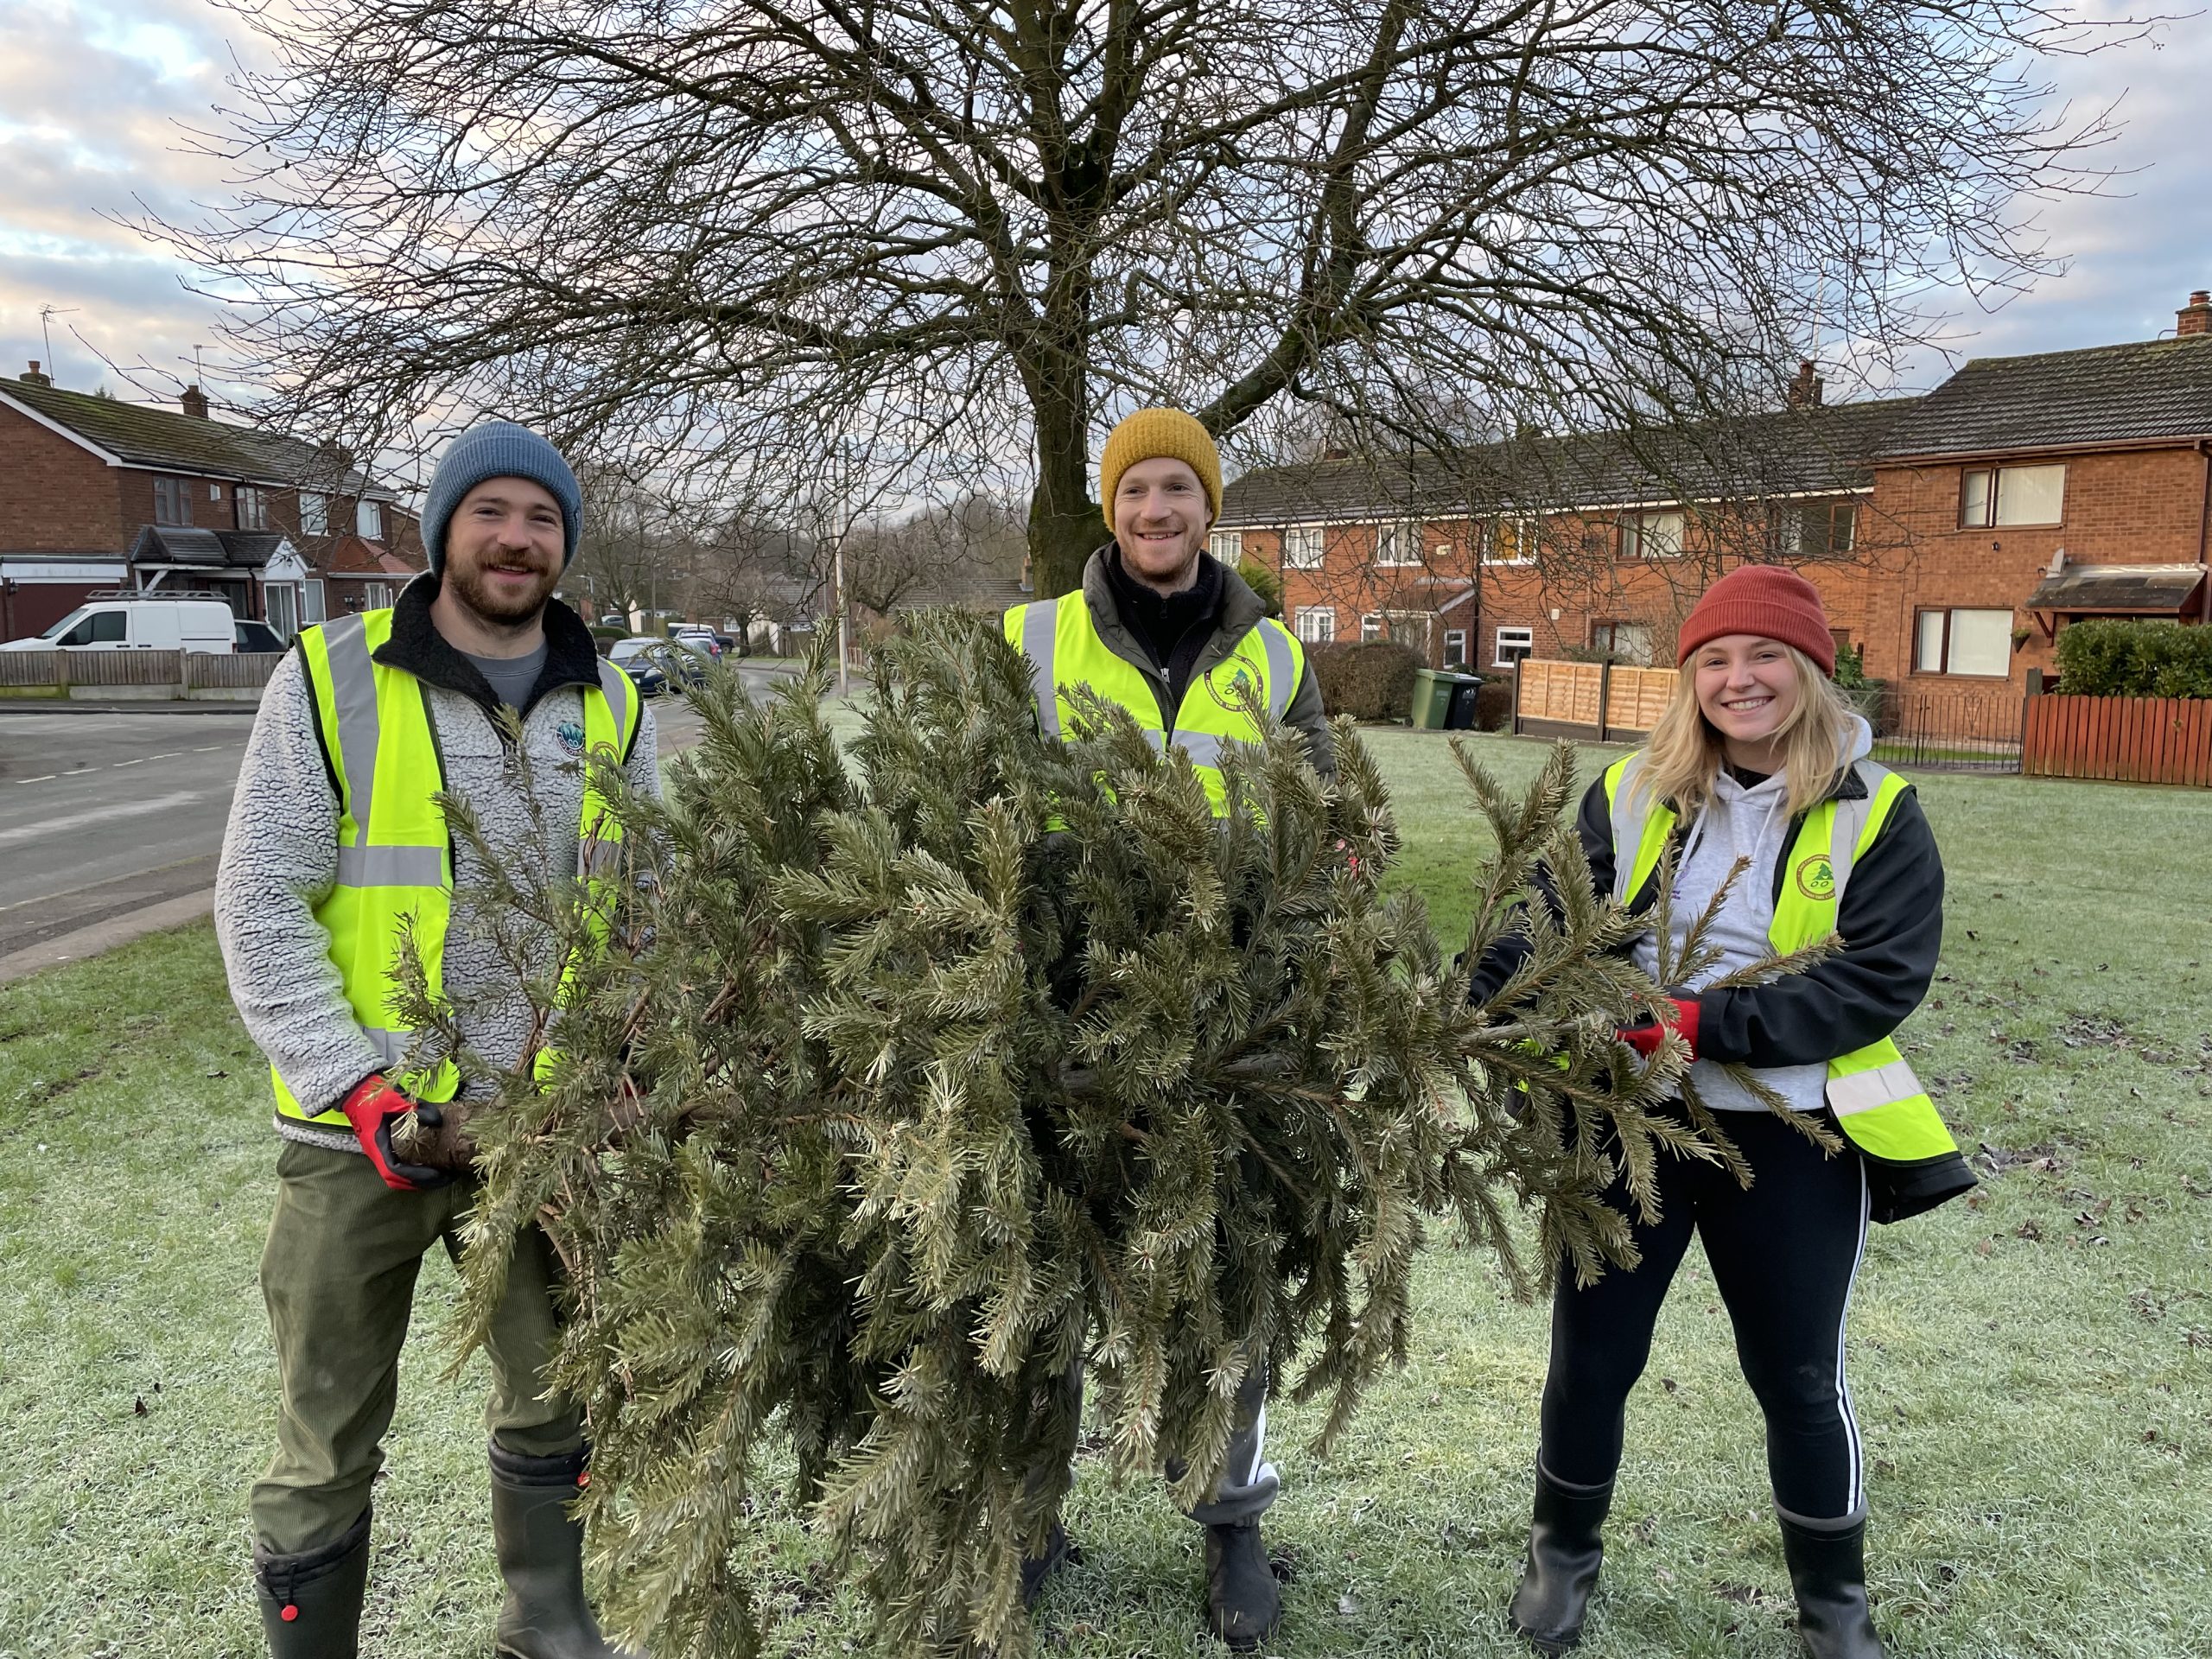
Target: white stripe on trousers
{"points": [[1858, 1488]]}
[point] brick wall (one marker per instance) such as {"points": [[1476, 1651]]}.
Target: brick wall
{"points": [[55, 496]]}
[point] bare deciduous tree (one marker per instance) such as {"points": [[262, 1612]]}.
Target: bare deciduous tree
{"points": [[980, 231]]}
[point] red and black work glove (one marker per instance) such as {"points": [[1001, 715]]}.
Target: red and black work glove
{"points": [[1646, 1038], [370, 1108]]}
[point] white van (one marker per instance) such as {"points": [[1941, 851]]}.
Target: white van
{"points": [[147, 623]]}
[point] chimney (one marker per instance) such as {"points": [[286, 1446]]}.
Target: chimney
{"points": [[31, 377], [2194, 318], [195, 403], [1805, 391]]}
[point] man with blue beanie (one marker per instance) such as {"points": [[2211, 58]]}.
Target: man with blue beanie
{"points": [[337, 849]]}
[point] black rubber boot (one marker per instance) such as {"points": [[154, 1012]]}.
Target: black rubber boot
{"points": [[1565, 1547], [1059, 1549], [1243, 1601], [541, 1550], [1828, 1569], [311, 1604]]}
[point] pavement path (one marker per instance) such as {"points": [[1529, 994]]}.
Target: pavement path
{"points": [[110, 822]]}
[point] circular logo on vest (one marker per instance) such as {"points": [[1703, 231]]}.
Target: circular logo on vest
{"points": [[1230, 683], [572, 737], [1815, 880]]}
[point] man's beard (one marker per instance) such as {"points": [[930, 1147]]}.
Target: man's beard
{"points": [[507, 610]]}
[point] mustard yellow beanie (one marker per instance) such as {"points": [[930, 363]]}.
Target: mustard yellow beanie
{"points": [[1153, 435]]}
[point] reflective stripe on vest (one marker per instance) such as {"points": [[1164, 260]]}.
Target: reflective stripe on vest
{"points": [[395, 870], [1876, 1097], [1063, 649]]}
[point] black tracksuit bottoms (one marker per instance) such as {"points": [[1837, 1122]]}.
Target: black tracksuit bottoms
{"points": [[1784, 1256]]}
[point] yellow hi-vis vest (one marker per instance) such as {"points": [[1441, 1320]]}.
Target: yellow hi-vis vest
{"points": [[394, 853], [1877, 1100], [1063, 649]]}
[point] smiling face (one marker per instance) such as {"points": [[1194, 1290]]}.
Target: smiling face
{"points": [[504, 548], [1747, 689], [1160, 519]]}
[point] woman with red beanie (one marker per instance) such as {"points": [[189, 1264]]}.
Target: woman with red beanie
{"points": [[1758, 759]]}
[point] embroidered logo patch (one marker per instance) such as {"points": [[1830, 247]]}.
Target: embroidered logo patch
{"points": [[1815, 880], [1230, 684], [572, 737]]}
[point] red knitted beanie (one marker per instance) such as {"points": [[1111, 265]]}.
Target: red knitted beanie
{"points": [[1763, 600]]}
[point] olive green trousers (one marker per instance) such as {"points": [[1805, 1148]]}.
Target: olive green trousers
{"points": [[339, 1277]]}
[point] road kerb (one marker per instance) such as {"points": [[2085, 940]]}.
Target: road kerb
{"points": [[106, 935]]}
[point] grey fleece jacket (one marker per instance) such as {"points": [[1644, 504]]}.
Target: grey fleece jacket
{"points": [[280, 859]]}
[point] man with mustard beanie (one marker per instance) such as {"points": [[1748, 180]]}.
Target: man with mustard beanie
{"points": [[1174, 637]]}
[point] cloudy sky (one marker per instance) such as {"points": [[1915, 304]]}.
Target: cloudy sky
{"points": [[97, 97]]}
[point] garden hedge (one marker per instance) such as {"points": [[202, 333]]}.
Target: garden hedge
{"points": [[2107, 657], [1368, 682]]}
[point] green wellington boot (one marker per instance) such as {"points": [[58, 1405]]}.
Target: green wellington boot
{"points": [[541, 1550], [1243, 1601], [1565, 1547], [1828, 1569], [311, 1603]]}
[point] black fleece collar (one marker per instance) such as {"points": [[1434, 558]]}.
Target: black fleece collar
{"points": [[1163, 621], [417, 648]]}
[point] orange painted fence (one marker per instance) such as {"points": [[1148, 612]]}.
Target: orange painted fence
{"points": [[2125, 740]]}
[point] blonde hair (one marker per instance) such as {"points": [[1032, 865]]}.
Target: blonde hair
{"points": [[1686, 754]]}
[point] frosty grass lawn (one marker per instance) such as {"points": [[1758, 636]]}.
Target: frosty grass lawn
{"points": [[2032, 1367]]}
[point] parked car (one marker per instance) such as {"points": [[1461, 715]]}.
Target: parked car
{"points": [[140, 622], [699, 639], [257, 636], [642, 660]]}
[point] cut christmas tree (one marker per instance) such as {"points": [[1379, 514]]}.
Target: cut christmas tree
{"points": [[915, 1075]]}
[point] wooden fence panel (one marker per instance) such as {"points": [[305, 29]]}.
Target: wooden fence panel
{"points": [[1639, 697], [237, 671], [32, 667], [2120, 740], [126, 668]]}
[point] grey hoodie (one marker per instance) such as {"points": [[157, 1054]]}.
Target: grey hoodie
{"points": [[1751, 823]]}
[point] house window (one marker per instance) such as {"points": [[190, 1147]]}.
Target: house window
{"points": [[214, 491], [283, 608], [1514, 646], [1227, 545], [1510, 541], [1455, 648], [314, 513], [1370, 627], [368, 520], [1652, 535], [1625, 642], [253, 508], [1301, 548], [1989, 496], [172, 501], [311, 605], [1412, 628], [1315, 624], [1827, 529], [1962, 642], [1398, 544]]}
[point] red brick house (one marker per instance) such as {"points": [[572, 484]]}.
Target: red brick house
{"points": [[97, 493], [1952, 536]]}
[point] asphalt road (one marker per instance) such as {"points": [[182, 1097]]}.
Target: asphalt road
{"points": [[108, 817]]}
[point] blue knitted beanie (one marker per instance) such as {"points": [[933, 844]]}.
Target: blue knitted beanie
{"points": [[498, 449]]}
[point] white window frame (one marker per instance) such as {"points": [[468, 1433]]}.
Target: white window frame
{"points": [[1315, 624], [1227, 546], [1304, 547], [1527, 530], [250, 506], [1946, 638], [1397, 544], [312, 609], [1638, 533], [1521, 640], [214, 490], [314, 513], [1991, 513], [179, 492], [1370, 627], [368, 519], [282, 602], [1455, 648]]}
